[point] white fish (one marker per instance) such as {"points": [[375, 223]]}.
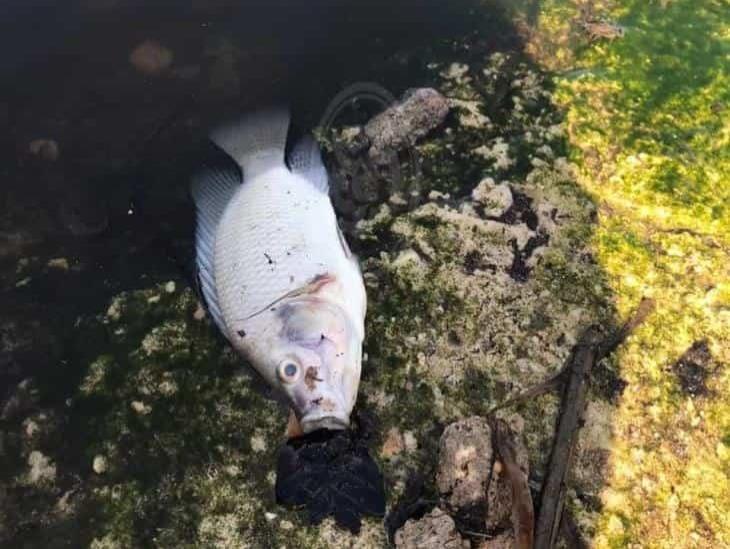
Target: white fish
{"points": [[275, 270]]}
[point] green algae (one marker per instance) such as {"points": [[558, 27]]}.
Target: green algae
{"points": [[647, 120]]}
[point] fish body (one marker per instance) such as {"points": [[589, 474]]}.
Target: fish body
{"points": [[276, 272]]}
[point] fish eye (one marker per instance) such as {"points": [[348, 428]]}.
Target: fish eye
{"points": [[288, 371]]}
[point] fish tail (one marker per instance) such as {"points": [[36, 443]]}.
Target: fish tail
{"points": [[255, 141]]}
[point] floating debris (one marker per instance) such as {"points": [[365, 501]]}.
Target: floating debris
{"points": [[46, 149], [151, 58]]}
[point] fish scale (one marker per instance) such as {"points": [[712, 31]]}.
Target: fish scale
{"points": [[284, 240]]}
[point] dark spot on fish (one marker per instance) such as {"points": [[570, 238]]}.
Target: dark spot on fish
{"points": [[310, 378], [268, 258], [272, 309], [241, 333], [291, 278], [317, 401], [322, 337]]}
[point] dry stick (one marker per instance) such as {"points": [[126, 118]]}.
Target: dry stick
{"points": [[586, 354]]}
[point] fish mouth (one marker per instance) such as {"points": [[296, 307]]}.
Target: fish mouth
{"points": [[318, 420]]}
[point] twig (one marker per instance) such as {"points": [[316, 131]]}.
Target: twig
{"points": [[535, 391], [589, 350]]}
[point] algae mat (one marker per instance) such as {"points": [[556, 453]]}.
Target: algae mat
{"points": [[648, 120]]}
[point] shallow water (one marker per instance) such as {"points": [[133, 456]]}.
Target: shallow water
{"points": [[95, 223]]}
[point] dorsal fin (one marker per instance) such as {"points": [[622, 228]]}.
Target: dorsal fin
{"points": [[306, 160], [255, 141]]}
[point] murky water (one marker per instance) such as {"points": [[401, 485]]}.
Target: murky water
{"points": [[114, 201], [104, 109]]}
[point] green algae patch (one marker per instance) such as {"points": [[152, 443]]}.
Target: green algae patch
{"points": [[647, 121]]}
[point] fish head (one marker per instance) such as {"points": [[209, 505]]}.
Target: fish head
{"points": [[318, 361]]}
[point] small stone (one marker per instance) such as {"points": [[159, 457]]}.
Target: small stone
{"points": [[258, 443], [46, 149], [286, 525], [496, 199], [150, 57], [170, 287], [435, 530], [394, 443], [153, 299], [58, 263], [269, 516], [41, 468], [232, 470], [140, 407], [199, 313], [99, 464], [465, 466], [410, 441]]}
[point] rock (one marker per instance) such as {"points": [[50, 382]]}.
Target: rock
{"points": [[150, 57], [60, 263], [402, 124], [495, 199], [41, 468], [99, 465], [46, 149], [436, 530], [465, 467]]}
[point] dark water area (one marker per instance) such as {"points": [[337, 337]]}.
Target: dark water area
{"points": [[97, 147], [114, 202]]}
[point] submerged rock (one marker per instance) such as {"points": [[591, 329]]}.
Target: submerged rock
{"points": [[401, 125], [436, 530]]}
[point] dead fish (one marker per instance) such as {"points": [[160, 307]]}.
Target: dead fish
{"points": [[276, 272]]}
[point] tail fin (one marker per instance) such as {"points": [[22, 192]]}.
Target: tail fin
{"points": [[256, 141]]}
